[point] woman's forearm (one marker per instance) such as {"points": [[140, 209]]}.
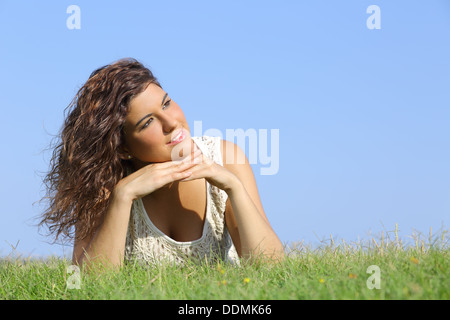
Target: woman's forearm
{"points": [[255, 233], [107, 246]]}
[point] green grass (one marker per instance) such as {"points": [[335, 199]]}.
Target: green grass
{"points": [[417, 271]]}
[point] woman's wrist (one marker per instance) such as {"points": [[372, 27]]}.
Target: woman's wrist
{"points": [[234, 186], [122, 194]]}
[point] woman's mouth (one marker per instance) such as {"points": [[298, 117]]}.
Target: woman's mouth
{"points": [[178, 137]]}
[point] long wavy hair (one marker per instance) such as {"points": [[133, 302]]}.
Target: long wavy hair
{"points": [[85, 164]]}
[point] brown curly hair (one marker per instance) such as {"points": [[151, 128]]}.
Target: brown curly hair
{"points": [[85, 164]]}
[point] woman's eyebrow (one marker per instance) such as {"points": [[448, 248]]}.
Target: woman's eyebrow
{"points": [[150, 114]]}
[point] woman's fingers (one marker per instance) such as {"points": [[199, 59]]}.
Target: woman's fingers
{"points": [[181, 169], [185, 169], [200, 170], [155, 175], [191, 157], [176, 163], [170, 171]]}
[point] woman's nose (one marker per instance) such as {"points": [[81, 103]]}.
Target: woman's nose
{"points": [[168, 123]]}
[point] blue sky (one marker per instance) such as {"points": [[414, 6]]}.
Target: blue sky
{"points": [[363, 115]]}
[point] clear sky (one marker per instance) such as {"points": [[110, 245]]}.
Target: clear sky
{"points": [[363, 115]]}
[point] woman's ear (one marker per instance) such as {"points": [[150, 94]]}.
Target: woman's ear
{"points": [[123, 153]]}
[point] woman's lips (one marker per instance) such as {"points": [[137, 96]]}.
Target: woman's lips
{"points": [[178, 137]]}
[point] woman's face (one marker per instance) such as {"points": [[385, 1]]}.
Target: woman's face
{"points": [[154, 120]]}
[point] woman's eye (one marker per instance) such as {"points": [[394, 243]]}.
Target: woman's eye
{"points": [[147, 123], [167, 104]]}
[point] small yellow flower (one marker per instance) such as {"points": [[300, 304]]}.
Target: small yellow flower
{"points": [[246, 280], [219, 268], [352, 276], [223, 282], [321, 280], [414, 260]]}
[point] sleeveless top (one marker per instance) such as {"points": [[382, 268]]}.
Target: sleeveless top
{"points": [[146, 243]]}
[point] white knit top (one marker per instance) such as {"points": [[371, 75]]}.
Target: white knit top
{"points": [[146, 243]]}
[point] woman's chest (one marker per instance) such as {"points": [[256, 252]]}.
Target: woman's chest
{"points": [[180, 215]]}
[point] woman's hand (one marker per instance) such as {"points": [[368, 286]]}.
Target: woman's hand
{"points": [[156, 175], [245, 219], [214, 173]]}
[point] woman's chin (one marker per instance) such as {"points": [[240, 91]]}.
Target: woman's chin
{"points": [[183, 149]]}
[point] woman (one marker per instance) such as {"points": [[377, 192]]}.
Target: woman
{"points": [[130, 179]]}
